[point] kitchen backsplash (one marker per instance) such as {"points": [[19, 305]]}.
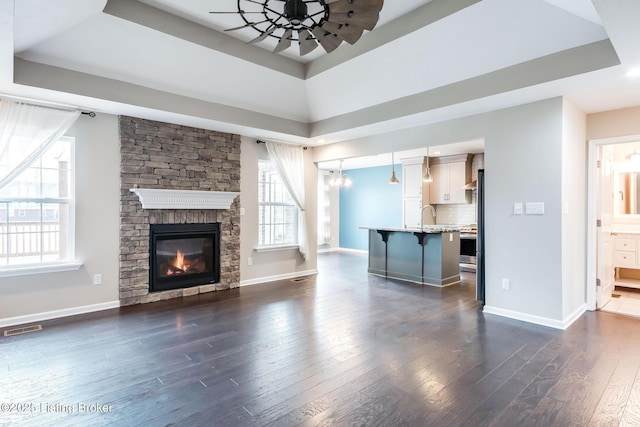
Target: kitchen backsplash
{"points": [[462, 214], [457, 214]]}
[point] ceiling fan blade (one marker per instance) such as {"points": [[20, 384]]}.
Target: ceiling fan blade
{"points": [[344, 6], [362, 20], [285, 41], [348, 33], [243, 12], [246, 25], [307, 43], [327, 40], [264, 35]]}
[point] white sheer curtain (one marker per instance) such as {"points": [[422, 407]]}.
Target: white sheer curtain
{"points": [[26, 131], [288, 161]]}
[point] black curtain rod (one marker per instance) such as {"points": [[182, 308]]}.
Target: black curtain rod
{"points": [[262, 142]]}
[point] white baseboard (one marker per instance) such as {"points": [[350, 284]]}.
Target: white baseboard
{"points": [[48, 315], [538, 320], [353, 251], [266, 279], [345, 250]]}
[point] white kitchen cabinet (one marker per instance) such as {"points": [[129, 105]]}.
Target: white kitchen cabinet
{"points": [[411, 212], [412, 179], [415, 193], [626, 259], [450, 175]]}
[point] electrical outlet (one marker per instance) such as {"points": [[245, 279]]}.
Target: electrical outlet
{"points": [[249, 261], [506, 284], [97, 279], [241, 211]]}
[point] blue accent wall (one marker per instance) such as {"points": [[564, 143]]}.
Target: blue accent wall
{"points": [[370, 202]]}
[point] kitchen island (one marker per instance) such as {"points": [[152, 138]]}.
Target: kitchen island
{"points": [[429, 255]]}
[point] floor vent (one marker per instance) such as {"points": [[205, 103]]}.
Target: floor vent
{"points": [[299, 279], [615, 295], [18, 331]]}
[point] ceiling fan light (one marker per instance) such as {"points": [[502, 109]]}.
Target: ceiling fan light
{"points": [[295, 11]]}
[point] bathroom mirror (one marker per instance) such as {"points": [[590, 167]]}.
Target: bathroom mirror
{"points": [[627, 193]]}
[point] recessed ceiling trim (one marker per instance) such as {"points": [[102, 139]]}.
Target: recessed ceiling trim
{"points": [[413, 21], [159, 20], [579, 60], [60, 79]]}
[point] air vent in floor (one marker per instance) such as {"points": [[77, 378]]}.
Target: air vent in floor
{"points": [[18, 331], [299, 279]]}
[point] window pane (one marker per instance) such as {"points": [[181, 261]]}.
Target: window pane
{"points": [[33, 232], [25, 185], [277, 215]]}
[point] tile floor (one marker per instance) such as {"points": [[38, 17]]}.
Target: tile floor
{"points": [[628, 303]]}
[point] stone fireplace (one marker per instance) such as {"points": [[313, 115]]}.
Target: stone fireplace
{"points": [[176, 159]]}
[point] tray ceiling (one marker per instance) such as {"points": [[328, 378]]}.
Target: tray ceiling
{"points": [[425, 61]]}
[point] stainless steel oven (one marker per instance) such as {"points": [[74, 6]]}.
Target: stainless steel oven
{"points": [[468, 251]]}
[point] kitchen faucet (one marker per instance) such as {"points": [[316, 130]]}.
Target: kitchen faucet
{"points": [[433, 212]]}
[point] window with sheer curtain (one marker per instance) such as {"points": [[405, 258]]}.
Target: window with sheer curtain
{"points": [[278, 215], [36, 185]]}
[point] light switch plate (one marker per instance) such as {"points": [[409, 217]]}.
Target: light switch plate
{"points": [[534, 208], [517, 208]]}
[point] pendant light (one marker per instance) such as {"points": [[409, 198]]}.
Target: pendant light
{"points": [[393, 179], [427, 172]]}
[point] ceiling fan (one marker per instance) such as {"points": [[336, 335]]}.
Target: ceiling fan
{"points": [[309, 22]]}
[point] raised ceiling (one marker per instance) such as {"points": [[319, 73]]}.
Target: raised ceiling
{"points": [[425, 61]]}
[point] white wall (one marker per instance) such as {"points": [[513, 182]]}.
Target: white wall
{"points": [[523, 163], [574, 203], [97, 224], [276, 264]]}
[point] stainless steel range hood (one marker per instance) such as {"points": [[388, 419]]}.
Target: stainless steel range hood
{"points": [[473, 185]]}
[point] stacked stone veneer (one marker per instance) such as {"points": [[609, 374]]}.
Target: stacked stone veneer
{"points": [[167, 156]]}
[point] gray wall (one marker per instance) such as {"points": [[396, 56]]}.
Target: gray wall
{"points": [[523, 163]]}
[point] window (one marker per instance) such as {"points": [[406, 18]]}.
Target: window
{"points": [[36, 210], [278, 216]]}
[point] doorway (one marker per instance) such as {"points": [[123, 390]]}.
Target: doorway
{"points": [[613, 235]]}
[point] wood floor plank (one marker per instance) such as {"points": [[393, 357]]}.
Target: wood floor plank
{"points": [[341, 348], [614, 399]]}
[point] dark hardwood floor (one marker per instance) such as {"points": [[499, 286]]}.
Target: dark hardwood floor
{"points": [[343, 348]]}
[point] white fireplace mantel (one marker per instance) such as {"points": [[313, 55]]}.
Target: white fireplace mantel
{"points": [[153, 198]]}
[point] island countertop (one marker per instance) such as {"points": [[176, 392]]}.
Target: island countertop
{"points": [[425, 229], [428, 255]]}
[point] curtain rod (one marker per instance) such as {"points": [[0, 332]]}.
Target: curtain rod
{"points": [[36, 103], [258, 141]]}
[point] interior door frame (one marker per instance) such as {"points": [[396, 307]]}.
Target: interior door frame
{"points": [[592, 247]]}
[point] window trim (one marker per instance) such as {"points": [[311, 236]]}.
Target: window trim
{"points": [[43, 268]]}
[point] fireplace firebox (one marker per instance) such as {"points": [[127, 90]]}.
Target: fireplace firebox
{"points": [[183, 255]]}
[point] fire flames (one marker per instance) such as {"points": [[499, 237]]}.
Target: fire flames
{"points": [[179, 265]]}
